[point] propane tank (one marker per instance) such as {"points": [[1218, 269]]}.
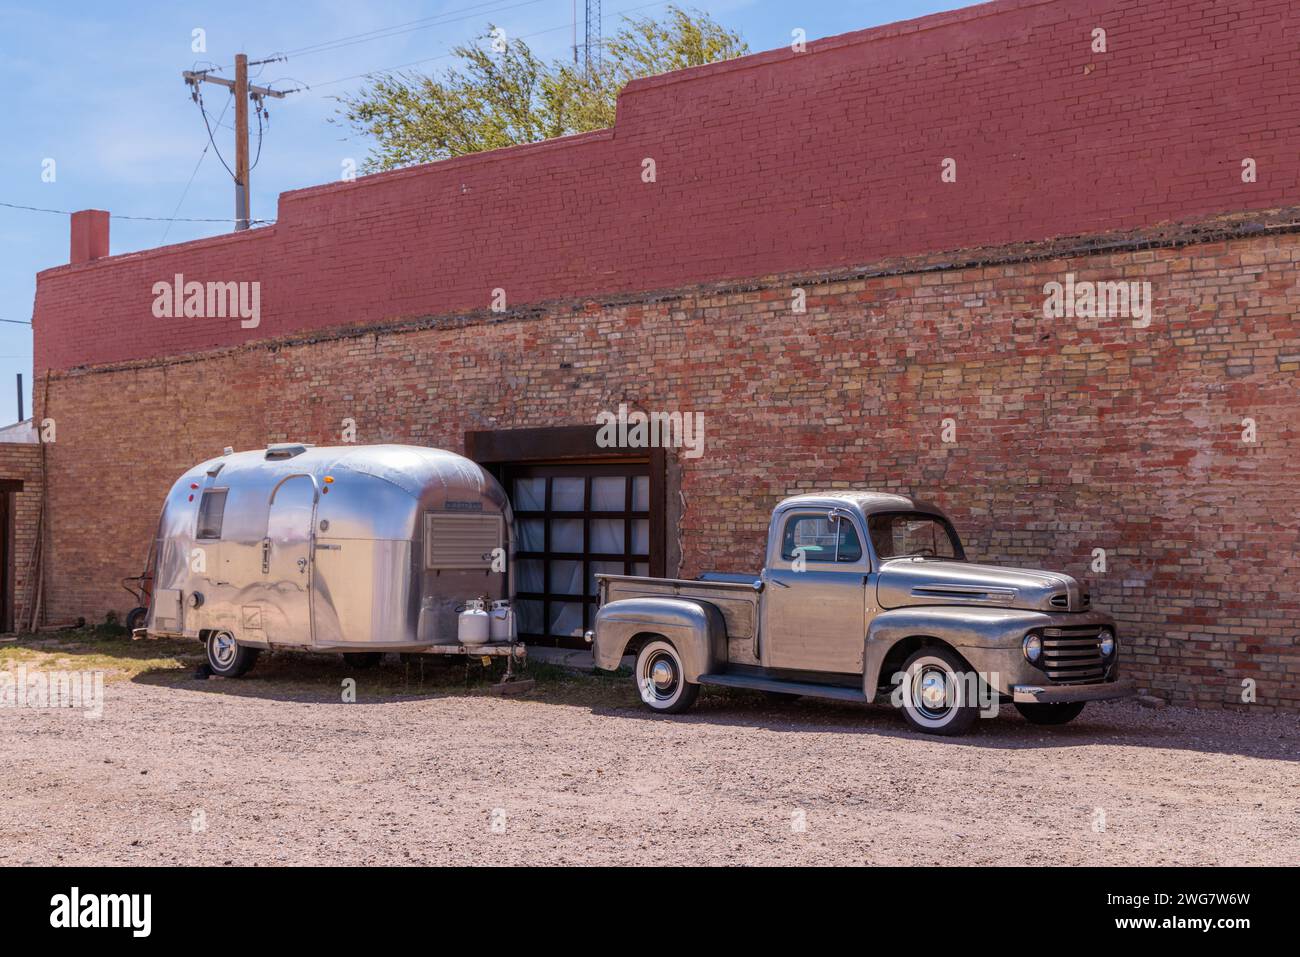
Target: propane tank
{"points": [[503, 621], [473, 626]]}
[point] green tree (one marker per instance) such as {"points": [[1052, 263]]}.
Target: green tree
{"points": [[501, 94]]}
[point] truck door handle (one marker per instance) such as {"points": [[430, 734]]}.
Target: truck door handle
{"points": [[266, 556]]}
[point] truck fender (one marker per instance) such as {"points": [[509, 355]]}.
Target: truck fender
{"points": [[983, 636], [695, 628]]}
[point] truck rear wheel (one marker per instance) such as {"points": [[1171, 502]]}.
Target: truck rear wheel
{"points": [[661, 679], [937, 691], [228, 658], [1055, 713]]}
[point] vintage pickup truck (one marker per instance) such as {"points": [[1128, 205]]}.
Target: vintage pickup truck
{"points": [[867, 596]]}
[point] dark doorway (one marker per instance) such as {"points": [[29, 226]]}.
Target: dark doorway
{"points": [[8, 488], [579, 511]]}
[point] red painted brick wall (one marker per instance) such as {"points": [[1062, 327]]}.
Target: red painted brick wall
{"points": [[778, 162], [1071, 435]]}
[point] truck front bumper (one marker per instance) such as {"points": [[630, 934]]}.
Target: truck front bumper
{"points": [[1067, 694]]}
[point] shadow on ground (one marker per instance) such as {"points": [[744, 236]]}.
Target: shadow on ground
{"points": [[319, 678]]}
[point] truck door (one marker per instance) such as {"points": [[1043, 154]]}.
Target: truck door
{"points": [[286, 561], [814, 597]]}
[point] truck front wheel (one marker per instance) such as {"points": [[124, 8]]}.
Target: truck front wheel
{"points": [[661, 680], [939, 693], [1050, 713]]}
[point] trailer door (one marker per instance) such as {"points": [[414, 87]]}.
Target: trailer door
{"points": [[286, 561]]}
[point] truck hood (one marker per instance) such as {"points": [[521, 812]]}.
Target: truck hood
{"points": [[915, 581]]}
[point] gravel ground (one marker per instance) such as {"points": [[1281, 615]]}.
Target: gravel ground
{"points": [[281, 775]]}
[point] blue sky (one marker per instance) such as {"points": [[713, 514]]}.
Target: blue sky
{"points": [[96, 87]]}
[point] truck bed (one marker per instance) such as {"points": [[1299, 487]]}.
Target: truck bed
{"points": [[735, 596]]}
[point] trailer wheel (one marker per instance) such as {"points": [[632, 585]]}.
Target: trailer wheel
{"points": [[660, 679], [1050, 713], [135, 618], [936, 690], [362, 660], [228, 658]]}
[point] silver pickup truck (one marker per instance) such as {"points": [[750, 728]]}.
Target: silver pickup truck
{"points": [[867, 596]]}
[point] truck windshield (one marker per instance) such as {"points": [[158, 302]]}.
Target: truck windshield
{"points": [[912, 534]]}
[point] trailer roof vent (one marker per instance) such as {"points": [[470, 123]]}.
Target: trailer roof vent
{"points": [[285, 450]]}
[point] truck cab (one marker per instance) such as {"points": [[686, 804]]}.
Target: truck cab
{"points": [[867, 596]]}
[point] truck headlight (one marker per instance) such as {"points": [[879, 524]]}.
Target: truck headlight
{"points": [[1033, 648], [1106, 643]]}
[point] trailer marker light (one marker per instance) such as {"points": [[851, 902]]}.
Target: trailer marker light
{"points": [[194, 485], [329, 479], [191, 496]]}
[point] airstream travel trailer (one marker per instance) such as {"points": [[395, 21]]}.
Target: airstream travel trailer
{"points": [[355, 549]]}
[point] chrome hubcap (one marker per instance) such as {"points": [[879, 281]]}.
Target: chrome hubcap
{"points": [[930, 692], [660, 677], [662, 674], [223, 650]]}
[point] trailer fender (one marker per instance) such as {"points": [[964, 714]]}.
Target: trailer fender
{"points": [[695, 628]]}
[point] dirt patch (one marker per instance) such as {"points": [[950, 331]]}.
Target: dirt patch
{"points": [[431, 769]]}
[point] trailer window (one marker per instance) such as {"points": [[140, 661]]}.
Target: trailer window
{"points": [[212, 510]]}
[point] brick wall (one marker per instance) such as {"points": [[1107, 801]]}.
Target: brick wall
{"points": [[1071, 435], [22, 462], [781, 161]]}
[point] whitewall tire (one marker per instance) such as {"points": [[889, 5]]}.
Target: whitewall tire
{"points": [[937, 692], [661, 679], [227, 658]]}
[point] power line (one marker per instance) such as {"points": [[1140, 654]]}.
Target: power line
{"points": [[443, 56], [473, 11], [185, 192], [198, 98], [149, 219]]}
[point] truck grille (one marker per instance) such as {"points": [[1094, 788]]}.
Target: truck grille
{"points": [[1073, 655]]}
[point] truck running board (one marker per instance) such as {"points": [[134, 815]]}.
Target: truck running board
{"points": [[838, 692]]}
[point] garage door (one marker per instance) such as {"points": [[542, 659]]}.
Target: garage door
{"points": [[573, 522]]}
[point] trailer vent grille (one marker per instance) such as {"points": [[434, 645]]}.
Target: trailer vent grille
{"points": [[460, 541]]}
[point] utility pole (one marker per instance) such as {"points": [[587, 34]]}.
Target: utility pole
{"points": [[242, 93], [241, 141]]}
